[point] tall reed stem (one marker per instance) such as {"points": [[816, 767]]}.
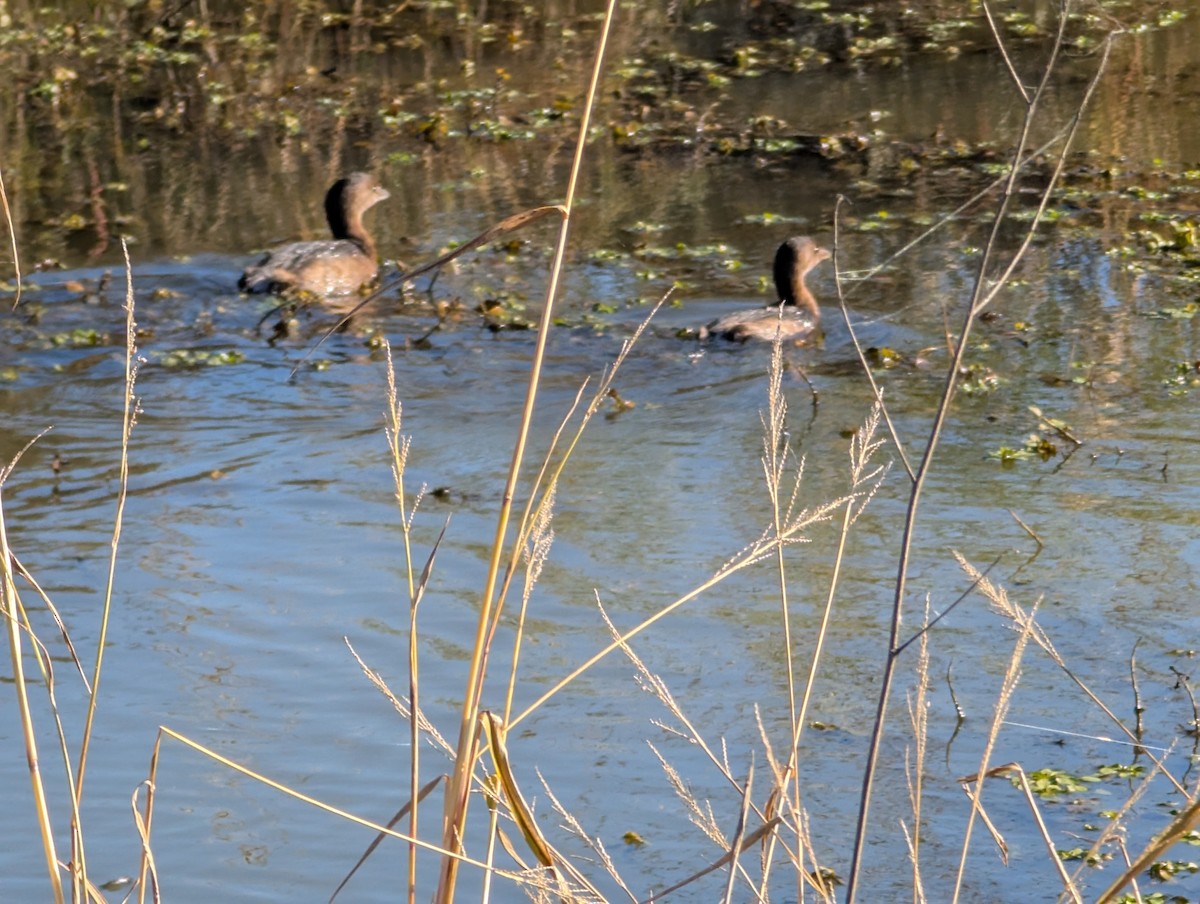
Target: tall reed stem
{"points": [[983, 293], [458, 788]]}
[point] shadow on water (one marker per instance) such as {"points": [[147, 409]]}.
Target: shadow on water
{"points": [[262, 527]]}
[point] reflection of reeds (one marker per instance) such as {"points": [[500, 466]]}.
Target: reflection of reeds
{"points": [[206, 130]]}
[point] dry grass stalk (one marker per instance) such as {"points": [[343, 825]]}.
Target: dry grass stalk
{"points": [[776, 455], [1003, 698], [149, 871], [17, 622], [654, 684], [45, 597], [998, 597], [866, 479], [535, 534], [455, 810], [990, 279], [402, 706], [760, 549], [755, 837], [575, 828], [739, 835], [702, 817], [796, 818], [522, 814], [13, 622], [399, 446], [914, 766], [311, 801], [131, 409]]}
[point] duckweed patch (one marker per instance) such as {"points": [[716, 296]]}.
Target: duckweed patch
{"points": [[1052, 783], [1084, 855], [1036, 446], [188, 358], [81, 337], [976, 379], [1184, 379]]}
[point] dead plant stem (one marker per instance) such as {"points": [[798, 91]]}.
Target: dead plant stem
{"points": [[980, 297], [10, 605], [457, 791], [750, 556], [398, 445], [12, 622], [129, 419], [1007, 688]]}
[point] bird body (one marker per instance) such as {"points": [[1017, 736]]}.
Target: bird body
{"points": [[338, 266], [795, 316]]}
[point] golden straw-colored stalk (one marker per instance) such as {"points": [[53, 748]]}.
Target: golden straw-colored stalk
{"points": [[454, 815]]}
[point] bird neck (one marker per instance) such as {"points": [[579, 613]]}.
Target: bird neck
{"points": [[795, 292], [343, 210], [347, 224]]}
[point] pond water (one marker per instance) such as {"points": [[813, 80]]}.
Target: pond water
{"points": [[262, 533]]}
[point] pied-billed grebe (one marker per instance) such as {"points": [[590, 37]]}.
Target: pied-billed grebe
{"points": [[795, 316], [338, 267]]}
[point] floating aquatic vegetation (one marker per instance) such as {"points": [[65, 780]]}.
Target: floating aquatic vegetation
{"points": [[976, 378], [1182, 312], [82, 337], [183, 358], [1087, 855], [1184, 378], [768, 218]]}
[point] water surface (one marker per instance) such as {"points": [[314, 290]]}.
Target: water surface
{"points": [[261, 530]]}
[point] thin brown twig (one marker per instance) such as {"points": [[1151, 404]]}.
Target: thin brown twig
{"points": [[739, 834], [1029, 530], [1003, 699], [928, 626], [981, 296], [1194, 725], [1012, 70], [876, 391], [1138, 709]]}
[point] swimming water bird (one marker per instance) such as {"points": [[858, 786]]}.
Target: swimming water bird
{"points": [[795, 316], [340, 266]]}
